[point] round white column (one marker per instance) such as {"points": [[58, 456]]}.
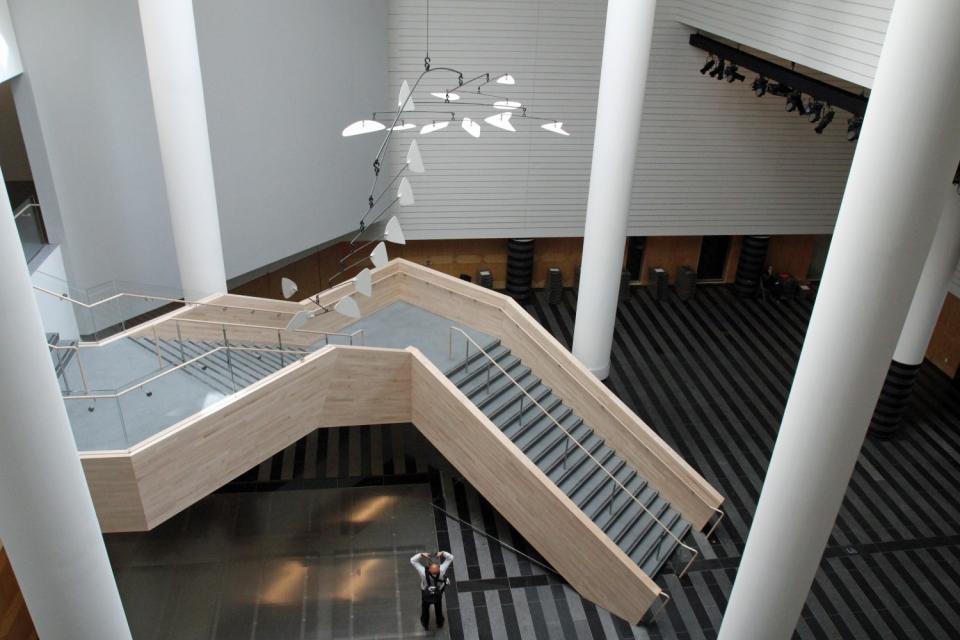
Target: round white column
{"points": [[170, 39], [932, 289], [623, 80], [907, 151], [47, 522]]}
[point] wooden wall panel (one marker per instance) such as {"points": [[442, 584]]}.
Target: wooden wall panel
{"points": [[115, 491], [565, 253], [944, 347], [553, 524], [337, 386], [791, 254], [15, 622], [670, 253]]}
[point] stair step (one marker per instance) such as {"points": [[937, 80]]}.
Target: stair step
{"points": [[658, 546], [507, 417], [534, 430], [591, 479], [476, 389], [558, 443], [568, 478], [500, 354], [624, 506], [475, 356]]}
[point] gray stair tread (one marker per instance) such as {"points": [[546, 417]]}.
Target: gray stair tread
{"points": [[582, 472]]}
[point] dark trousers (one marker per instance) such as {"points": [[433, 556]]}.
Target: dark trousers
{"points": [[425, 602]]}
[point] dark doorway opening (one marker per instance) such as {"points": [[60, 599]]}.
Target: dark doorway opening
{"points": [[635, 245], [713, 257]]}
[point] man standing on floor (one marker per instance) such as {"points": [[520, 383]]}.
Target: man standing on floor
{"points": [[433, 580]]}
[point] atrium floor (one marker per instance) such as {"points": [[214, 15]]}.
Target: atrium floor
{"points": [[711, 375]]}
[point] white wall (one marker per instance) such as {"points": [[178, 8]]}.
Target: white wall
{"points": [[712, 158], [10, 65], [87, 119], [839, 37], [57, 315], [281, 80]]}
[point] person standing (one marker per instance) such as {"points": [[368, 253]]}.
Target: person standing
{"points": [[433, 580]]}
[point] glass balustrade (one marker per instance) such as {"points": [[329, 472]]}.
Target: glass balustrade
{"points": [[122, 392]]}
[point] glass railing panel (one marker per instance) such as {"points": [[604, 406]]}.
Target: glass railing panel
{"points": [[97, 423]]}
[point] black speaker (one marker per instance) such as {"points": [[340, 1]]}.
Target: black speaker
{"points": [[624, 284], [686, 283], [658, 283], [554, 285], [485, 278]]}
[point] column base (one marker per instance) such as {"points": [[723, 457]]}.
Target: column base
{"points": [[602, 373], [894, 399]]}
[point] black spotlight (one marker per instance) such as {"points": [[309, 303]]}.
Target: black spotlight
{"points": [[732, 74], [760, 85], [707, 65], [853, 128], [717, 70], [721, 67], [814, 109], [795, 103], [824, 121]]}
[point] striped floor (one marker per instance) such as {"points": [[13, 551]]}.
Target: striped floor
{"points": [[711, 375]]}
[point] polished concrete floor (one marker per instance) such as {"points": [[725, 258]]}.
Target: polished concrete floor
{"points": [[281, 565]]}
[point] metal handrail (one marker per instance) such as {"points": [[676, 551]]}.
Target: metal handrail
{"points": [[326, 334], [140, 385], [665, 596], [694, 552], [717, 511], [149, 298], [24, 209]]}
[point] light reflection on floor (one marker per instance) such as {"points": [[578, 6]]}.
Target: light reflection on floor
{"points": [[311, 564]]}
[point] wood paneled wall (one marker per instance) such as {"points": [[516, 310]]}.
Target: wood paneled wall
{"points": [[944, 347], [670, 253], [791, 254], [15, 621]]}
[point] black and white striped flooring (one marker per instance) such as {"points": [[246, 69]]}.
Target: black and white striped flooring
{"points": [[711, 375]]}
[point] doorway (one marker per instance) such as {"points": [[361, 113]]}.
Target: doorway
{"points": [[713, 258]]}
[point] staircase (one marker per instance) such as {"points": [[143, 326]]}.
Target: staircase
{"points": [[629, 525], [222, 373]]}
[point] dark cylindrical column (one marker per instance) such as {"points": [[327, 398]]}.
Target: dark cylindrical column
{"points": [[519, 268], [894, 399], [753, 253]]}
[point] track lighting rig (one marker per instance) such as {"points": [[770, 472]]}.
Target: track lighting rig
{"points": [[724, 62]]}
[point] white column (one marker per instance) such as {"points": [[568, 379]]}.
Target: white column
{"points": [[623, 80], [907, 151], [170, 38], [932, 289], [47, 522]]}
